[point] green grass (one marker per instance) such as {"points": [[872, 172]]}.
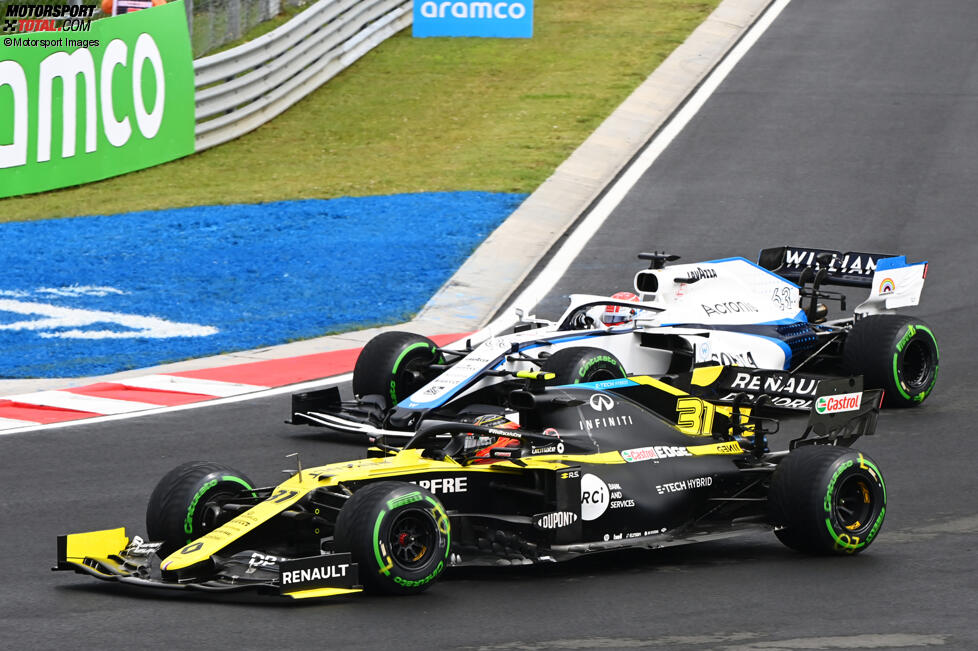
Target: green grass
{"points": [[419, 115]]}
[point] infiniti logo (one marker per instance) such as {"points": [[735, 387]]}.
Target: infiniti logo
{"points": [[601, 402]]}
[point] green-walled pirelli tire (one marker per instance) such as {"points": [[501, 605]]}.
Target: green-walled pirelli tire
{"points": [[583, 364], [395, 365], [186, 503], [399, 535], [895, 353], [827, 500]]}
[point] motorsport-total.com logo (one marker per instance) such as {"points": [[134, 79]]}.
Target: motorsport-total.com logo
{"points": [[25, 18]]}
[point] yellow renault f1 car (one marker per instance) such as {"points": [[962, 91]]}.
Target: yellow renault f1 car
{"points": [[625, 463]]}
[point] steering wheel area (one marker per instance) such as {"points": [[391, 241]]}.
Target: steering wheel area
{"points": [[590, 316], [462, 444]]}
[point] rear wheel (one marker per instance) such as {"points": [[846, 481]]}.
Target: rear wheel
{"points": [[827, 500], [395, 365], [583, 364], [895, 353], [187, 502], [399, 535]]}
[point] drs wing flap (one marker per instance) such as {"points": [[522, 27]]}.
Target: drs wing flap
{"points": [[851, 268]]}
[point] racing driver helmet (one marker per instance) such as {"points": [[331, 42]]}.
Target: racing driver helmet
{"points": [[615, 315]]}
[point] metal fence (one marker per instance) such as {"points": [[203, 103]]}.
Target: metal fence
{"points": [[213, 23], [242, 88]]}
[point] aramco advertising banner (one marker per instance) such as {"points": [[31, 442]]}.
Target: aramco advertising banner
{"points": [[510, 19], [84, 100]]}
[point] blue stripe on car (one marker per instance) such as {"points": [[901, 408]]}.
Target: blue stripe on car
{"points": [[496, 363]]}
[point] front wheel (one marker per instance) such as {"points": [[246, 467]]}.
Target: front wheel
{"points": [[395, 365], [827, 500], [399, 535], [895, 353], [187, 502], [583, 364]]}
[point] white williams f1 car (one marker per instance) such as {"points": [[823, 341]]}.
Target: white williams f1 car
{"points": [[767, 320]]}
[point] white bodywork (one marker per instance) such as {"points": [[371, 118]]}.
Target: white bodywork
{"points": [[895, 284], [724, 292], [700, 303]]}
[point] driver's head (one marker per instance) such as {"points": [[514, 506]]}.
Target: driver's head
{"points": [[618, 314]]}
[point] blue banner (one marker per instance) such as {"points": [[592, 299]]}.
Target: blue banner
{"points": [[512, 19]]}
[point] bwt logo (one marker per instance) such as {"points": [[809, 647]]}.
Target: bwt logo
{"points": [[473, 18]]}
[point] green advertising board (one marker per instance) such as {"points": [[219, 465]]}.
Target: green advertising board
{"points": [[78, 106]]}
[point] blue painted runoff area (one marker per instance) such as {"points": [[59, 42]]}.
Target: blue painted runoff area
{"points": [[95, 295]]}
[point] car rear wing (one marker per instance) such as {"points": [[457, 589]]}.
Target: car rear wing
{"points": [[893, 282], [852, 268], [723, 384], [841, 413]]}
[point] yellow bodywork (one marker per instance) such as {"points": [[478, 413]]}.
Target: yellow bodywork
{"points": [[321, 592], [98, 546], [694, 416], [405, 462]]}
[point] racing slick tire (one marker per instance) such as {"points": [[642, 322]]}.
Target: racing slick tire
{"points": [[399, 535], [895, 353], [582, 364], [395, 365], [186, 503], [827, 500]]}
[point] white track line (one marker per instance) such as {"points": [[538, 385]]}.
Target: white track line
{"points": [[78, 402], [578, 239], [190, 385], [10, 423]]}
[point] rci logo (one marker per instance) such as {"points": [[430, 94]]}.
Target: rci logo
{"points": [[594, 497], [98, 92]]}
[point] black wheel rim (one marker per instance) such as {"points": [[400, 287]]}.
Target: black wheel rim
{"points": [[412, 375], [413, 538], [916, 365], [603, 374], [855, 503], [210, 516]]}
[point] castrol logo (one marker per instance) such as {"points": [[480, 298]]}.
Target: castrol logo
{"points": [[838, 403]]}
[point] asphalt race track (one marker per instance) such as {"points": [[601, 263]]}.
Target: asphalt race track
{"points": [[852, 124]]}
